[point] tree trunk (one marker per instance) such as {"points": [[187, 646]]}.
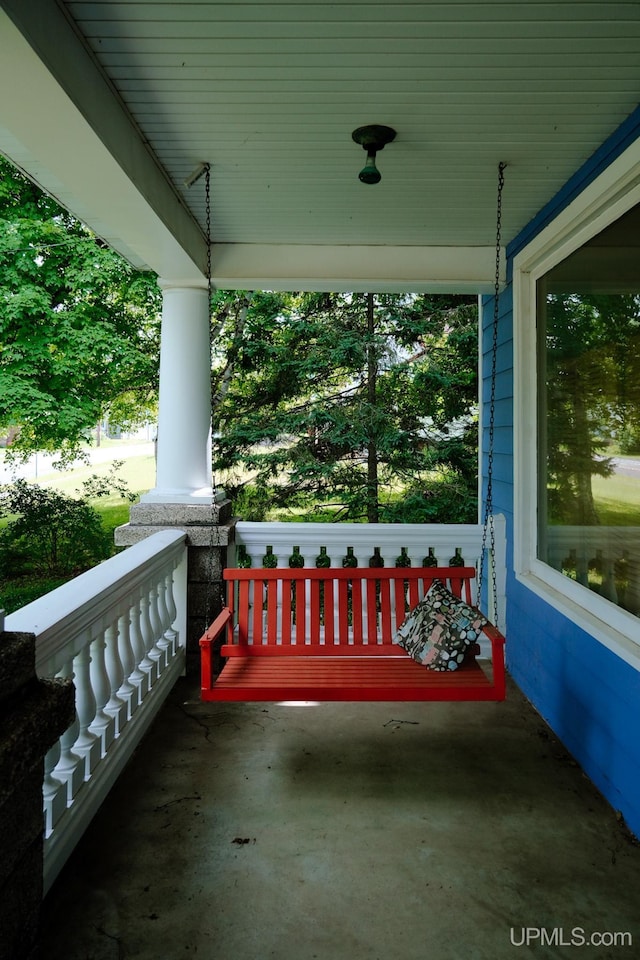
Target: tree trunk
{"points": [[583, 460], [227, 374], [373, 513]]}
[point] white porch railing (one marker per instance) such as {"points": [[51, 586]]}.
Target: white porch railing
{"points": [[605, 559], [118, 631], [438, 542]]}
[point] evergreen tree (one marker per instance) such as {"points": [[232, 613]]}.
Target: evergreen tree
{"points": [[345, 403]]}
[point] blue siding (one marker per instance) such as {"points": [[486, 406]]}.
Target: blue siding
{"points": [[589, 696], [503, 423]]}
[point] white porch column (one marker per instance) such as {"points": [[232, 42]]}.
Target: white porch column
{"points": [[183, 470]]}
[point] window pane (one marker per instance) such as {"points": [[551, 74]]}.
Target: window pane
{"points": [[589, 414]]}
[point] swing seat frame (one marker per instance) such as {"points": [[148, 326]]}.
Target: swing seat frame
{"points": [[326, 635]]}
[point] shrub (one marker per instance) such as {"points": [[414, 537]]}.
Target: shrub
{"points": [[251, 502], [629, 440], [48, 532]]}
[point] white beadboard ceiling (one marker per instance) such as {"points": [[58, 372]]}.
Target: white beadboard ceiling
{"points": [[269, 93]]}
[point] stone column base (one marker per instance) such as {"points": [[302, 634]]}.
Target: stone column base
{"points": [[210, 533]]}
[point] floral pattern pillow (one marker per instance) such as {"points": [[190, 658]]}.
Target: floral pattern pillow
{"points": [[440, 630]]}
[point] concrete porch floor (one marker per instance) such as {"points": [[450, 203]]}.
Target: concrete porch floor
{"points": [[344, 832]]}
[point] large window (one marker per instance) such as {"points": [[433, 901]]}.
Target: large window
{"points": [[588, 344]]}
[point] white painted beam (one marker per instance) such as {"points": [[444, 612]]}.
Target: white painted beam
{"points": [[376, 269]]}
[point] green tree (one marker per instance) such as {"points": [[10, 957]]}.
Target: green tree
{"points": [[348, 400], [592, 394], [79, 328]]}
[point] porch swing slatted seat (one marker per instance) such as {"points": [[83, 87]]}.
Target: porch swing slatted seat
{"points": [[326, 634], [295, 634]]}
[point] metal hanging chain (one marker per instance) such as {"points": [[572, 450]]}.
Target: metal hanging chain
{"points": [[488, 529], [207, 206], [209, 600]]}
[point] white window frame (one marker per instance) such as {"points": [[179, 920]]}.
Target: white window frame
{"points": [[602, 202]]}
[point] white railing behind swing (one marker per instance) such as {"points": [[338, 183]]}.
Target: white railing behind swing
{"points": [[439, 544], [605, 559], [118, 631]]}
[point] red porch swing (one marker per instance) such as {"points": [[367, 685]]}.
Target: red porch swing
{"points": [[343, 634]]}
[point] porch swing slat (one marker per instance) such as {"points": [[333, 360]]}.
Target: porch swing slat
{"points": [[286, 613], [314, 611], [328, 613], [343, 611], [270, 657], [356, 607]]}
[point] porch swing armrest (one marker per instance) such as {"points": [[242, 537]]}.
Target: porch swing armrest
{"points": [[206, 641], [497, 658]]}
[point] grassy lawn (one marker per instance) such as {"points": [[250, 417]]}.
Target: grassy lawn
{"points": [[617, 500]]}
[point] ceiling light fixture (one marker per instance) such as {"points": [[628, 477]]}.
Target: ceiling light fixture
{"points": [[372, 138]]}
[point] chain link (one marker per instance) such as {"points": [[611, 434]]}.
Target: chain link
{"points": [[488, 529]]}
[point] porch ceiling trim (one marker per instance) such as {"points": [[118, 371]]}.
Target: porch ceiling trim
{"points": [[375, 269]]}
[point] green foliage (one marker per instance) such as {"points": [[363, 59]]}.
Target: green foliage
{"points": [[629, 439], [592, 396], [251, 502], [79, 328], [107, 484], [48, 533], [51, 534], [338, 404]]}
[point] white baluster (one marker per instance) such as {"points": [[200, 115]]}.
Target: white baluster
{"points": [[87, 745], [632, 595], [128, 691], [582, 567], [115, 706], [54, 792], [149, 664], [154, 653], [256, 554], [70, 766], [171, 613], [608, 589], [335, 552], [141, 677], [159, 651], [362, 555], [166, 643], [389, 554], [102, 724]]}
